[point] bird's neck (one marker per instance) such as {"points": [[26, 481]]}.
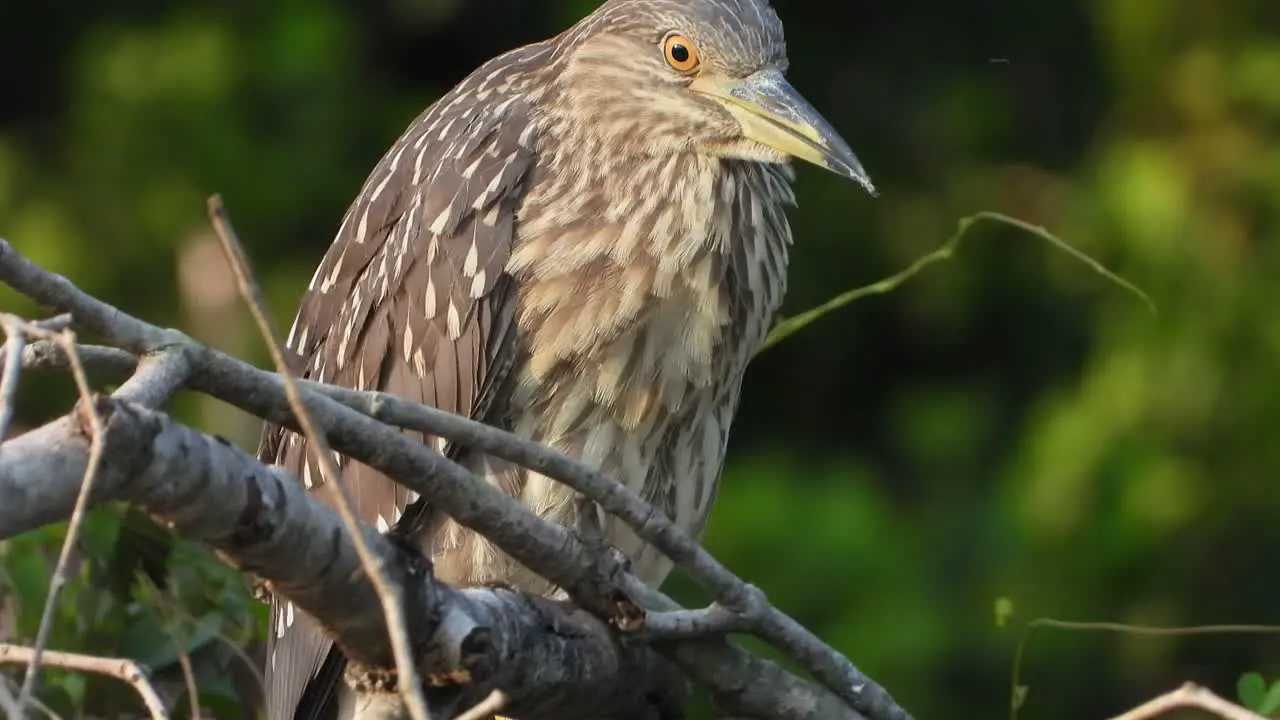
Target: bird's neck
{"points": [[684, 250], [628, 204]]}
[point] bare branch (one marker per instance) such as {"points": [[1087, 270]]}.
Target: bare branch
{"points": [[184, 659], [48, 355], [15, 342], [595, 580], [705, 622], [8, 703], [550, 658], [67, 340], [388, 597], [122, 669], [157, 379], [1190, 695], [744, 607]]}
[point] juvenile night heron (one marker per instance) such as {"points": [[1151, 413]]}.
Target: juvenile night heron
{"points": [[583, 242]]}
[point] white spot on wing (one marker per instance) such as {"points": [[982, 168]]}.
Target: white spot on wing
{"points": [[363, 228], [429, 301], [444, 131], [408, 341], [454, 321], [470, 170], [472, 260], [526, 135], [437, 225]]}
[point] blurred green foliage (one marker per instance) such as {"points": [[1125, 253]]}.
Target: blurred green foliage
{"points": [[1258, 696], [1006, 425]]}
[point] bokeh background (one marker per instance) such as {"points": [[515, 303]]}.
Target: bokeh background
{"points": [[1006, 425]]}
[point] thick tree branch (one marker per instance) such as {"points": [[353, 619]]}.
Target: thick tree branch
{"points": [[595, 580], [548, 658]]}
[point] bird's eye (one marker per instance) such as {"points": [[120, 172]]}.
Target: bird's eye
{"points": [[680, 52]]}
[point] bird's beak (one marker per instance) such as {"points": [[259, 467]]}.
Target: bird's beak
{"points": [[772, 113]]}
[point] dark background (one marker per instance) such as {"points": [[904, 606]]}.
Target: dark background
{"points": [[1007, 424]]}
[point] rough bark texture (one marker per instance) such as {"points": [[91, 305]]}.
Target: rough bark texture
{"points": [[547, 658], [550, 659]]}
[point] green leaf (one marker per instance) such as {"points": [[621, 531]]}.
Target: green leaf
{"points": [[215, 703], [1004, 611], [789, 326], [150, 643], [1252, 691], [57, 696], [29, 574], [1271, 703], [99, 531]]}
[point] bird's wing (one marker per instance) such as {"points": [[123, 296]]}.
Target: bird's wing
{"points": [[411, 299]]}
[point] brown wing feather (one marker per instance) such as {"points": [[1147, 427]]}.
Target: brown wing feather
{"points": [[411, 299]]}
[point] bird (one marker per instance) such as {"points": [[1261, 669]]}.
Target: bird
{"points": [[583, 242]]}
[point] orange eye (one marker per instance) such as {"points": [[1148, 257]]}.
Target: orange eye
{"points": [[680, 53]]}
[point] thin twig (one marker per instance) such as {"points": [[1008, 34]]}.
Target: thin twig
{"points": [[177, 617], [704, 622], [172, 625], [408, 682], [156, 379], [35, 702], [16, 340], [1018, 689], [785, 327], [47, 355], [55, 324], [122, 669], [483, 709], [756, 614], [1190, 695], [254, 671], [189, 679], [8, 703], [67, 339]]}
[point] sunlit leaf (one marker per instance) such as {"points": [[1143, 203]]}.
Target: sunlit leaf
{"points": [[1004, 611], [1271, 703], [29, 574], [1020, 696], [1252, 691]]}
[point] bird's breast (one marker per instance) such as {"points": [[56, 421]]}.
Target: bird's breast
{"points": [[635, 318], [628, 310]]}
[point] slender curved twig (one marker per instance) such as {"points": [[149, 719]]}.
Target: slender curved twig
{"points": [[122, 669], [67, 339], [408, 682]]}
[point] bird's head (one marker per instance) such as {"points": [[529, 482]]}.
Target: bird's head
{"points": [[707, 76]]}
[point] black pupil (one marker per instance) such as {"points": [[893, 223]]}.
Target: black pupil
{"points": [[679, 53]]}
